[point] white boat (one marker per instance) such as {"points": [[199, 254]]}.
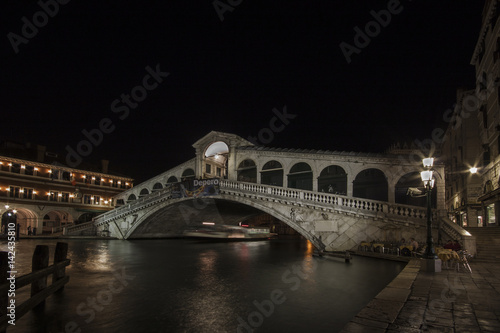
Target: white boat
{"points": [[229, 232]]}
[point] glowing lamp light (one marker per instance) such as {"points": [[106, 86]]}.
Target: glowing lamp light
{"points": [[473, 170], [84, 176], [36, 169], [428, 162], [50, 171], [59, 195], [23, 166], [7, 206], [34, 192], [427, 177], [14, 211], [102, 179], [93, 178], [111, 180], [119, 182], [208, 223], [10, 164]]}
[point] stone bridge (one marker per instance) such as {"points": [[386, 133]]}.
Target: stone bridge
{"points": [[334, 199]]}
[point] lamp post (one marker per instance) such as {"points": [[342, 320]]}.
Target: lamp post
{"points": [[426, 175]]}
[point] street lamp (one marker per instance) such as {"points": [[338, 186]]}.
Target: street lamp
{"points": [[428, 184]]}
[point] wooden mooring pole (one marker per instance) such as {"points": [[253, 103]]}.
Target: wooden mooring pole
{"points": [[40, 261], [37, 279]]}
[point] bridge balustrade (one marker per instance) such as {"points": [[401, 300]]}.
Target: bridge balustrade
{"points": [[367, 206], [137, 204]]}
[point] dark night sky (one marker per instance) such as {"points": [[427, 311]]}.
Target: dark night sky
{"points": [[229, 75]]}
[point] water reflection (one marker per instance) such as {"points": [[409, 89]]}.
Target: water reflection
{"points": [[186, 286]]}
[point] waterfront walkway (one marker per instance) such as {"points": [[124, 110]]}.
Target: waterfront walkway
{"points": [[448, 301]]}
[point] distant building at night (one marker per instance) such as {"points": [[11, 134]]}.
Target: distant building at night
{"points": [[42, 194], [485, 103], [460, 153]]}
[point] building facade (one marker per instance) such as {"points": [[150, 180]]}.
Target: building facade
{"points": [[42, 195], [462, 158], [484, 103]]}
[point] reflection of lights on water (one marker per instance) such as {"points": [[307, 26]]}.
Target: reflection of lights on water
{"points": [[310, 248], [207, 261]]}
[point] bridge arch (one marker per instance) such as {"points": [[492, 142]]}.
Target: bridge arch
{"points": [[172, 179], [187, 211], [413, 180], [131, 198], [371, 183], [143, 192], [247, 171], [215, 159], [272, 173], [188, 174], [333, 179], [157, 186], [300, 176]]}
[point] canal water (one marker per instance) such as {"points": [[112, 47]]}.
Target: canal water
{"points": [[181, 285]]}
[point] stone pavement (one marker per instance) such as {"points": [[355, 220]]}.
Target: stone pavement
{"points": [[448, 301]]}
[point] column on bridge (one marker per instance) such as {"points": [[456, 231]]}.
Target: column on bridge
{"points": [[232, 174], [392, 190], [350, 183]]}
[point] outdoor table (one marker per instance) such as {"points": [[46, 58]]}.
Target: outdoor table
{"points": [[365, 246], [402, 247], [447, 255]]}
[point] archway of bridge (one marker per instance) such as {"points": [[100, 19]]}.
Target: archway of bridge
{"points": [[413, 180], [172, 220], [371, 184], [333, 179], [247, 171], [215, 160]]}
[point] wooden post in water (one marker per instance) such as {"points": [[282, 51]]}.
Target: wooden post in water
{"points": [[4, 300], [40, 260], [60, 255]]}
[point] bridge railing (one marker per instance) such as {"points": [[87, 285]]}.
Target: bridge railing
{"points": [[128, 207], [76, 229], [327, 200]]}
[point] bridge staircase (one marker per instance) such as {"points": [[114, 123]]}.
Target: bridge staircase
{"points": [[487, 243], [82, 229], [132, 208]]}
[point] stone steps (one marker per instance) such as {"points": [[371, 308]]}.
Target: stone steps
{"points": [[487, 243]]}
